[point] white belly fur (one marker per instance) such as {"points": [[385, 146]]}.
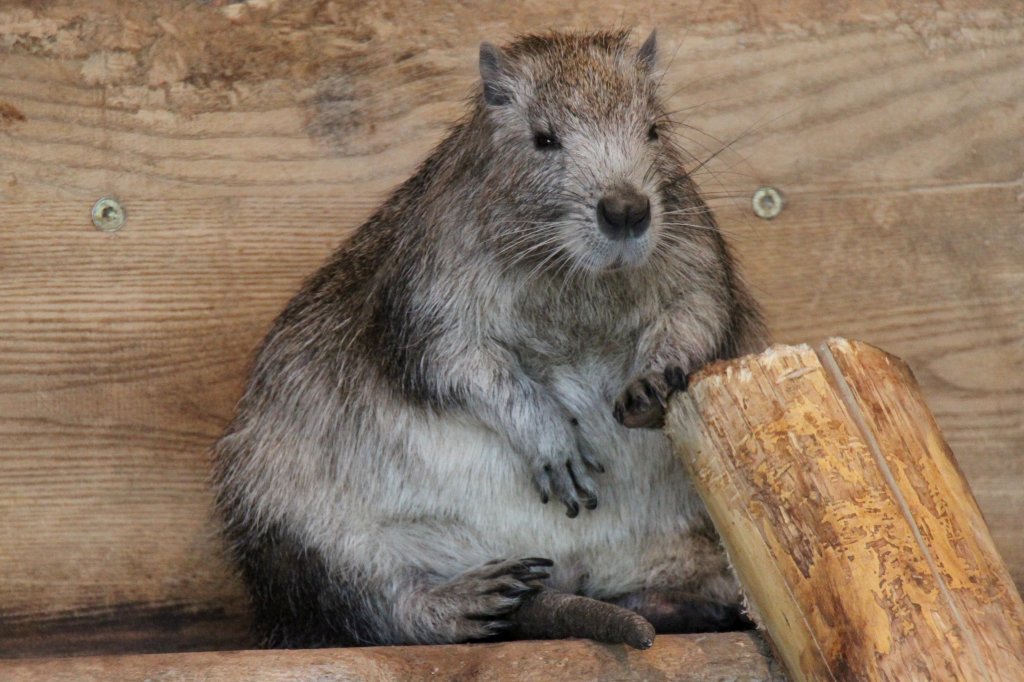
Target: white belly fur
{"points": [[448, 494], [645, 508]]}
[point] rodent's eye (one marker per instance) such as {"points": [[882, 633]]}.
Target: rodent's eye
{"points": [[546, 141], [652, 132]]}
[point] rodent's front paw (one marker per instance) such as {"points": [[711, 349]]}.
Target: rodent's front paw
{"points": [[479, 600], [569, 480], [642, 404]]}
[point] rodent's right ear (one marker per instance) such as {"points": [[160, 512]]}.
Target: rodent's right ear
{"points": [[495, 77], [647, 55]]}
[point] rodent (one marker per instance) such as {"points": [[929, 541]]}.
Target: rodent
{"points": [[427, 417]]}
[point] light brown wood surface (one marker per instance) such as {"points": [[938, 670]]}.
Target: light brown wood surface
{"points": [[853, 531], [245, 148], [739, 657]]}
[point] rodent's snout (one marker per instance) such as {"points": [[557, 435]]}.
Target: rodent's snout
{"points": [[624, 213]]}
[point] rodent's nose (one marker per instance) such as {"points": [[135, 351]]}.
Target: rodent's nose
{"points": [[624, 213]]}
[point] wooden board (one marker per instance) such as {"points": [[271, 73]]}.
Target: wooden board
{"points": [[894, 132], [695, 658]]}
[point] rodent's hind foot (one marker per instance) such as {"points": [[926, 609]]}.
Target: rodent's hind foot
{"points": [[476, 604]]}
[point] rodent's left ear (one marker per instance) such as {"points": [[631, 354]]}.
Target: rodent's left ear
{"points": [[647, 55]]}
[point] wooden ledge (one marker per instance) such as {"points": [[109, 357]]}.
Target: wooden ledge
{"points": [[729, 656]]}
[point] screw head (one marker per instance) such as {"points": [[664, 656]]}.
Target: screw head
{"points": [[767, 202], [108, 214]]}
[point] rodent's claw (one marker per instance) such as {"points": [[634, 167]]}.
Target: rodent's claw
{"points": [[635, 408], [643, 403], [584, 483], [516, 592], [676, 378], [566, 492], [498, 626], [482, 598], [531, 573], [570, 484], [542, 479], [568, 478]]}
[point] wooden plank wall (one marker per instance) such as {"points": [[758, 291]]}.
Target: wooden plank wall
{"points": [[245, 142]]}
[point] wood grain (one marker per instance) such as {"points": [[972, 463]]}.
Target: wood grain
{"points": [[854, 533], [893, 131], [693, 658]]}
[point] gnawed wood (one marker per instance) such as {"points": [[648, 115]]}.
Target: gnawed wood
{"points": [[854, 533]]}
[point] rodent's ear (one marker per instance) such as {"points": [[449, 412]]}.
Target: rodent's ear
{"points": [[492, 71], [647, 55]]}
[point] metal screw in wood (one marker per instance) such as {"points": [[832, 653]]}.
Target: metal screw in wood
{"points": [[767, 202], [108, 214]]}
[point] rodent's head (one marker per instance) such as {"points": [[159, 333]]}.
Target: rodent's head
{"points": [[579, 146]]}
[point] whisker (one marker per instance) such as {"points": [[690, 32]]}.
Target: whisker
{"points": [[696, 226]]}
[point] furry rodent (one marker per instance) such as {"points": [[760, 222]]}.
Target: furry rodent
{"points": [[549, 274]]}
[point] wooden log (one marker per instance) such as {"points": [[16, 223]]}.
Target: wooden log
{"points": [[730, 656], [856, 537]]}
